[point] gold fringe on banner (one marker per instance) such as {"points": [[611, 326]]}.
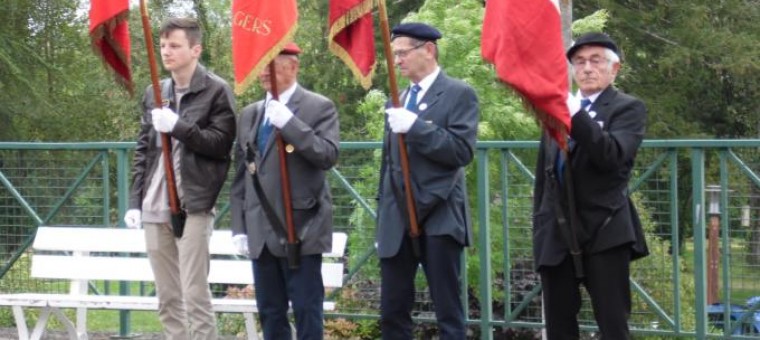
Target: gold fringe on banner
{"points": [[355, 13], [265, 60]]}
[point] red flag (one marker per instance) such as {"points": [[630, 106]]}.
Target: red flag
{"points": [[523, 39], [109, 32], [260, 30], [352, 37]]}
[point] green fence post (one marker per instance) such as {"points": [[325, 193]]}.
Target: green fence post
{"points": [[484, 245], [122, 170], [700, 275]]}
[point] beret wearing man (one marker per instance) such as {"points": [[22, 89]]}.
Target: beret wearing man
{"points": [[604, 233], [439, 119], [308, 125]]}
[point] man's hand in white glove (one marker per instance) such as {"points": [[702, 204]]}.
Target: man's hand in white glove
{"points": [[133, 219], [400, 120], [573, 104], [164, 119], [240, 242], [278, 114]]}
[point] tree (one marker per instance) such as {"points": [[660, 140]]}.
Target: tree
{"points": [[696, 64]]}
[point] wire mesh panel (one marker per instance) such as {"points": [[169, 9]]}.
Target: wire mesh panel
{"points": [[88, 184], [47, 187]]}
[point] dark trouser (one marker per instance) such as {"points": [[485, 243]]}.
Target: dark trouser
{"points": [[276, 285], [607, 282], [441, 260]]}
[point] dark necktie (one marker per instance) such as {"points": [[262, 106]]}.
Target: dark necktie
{"points": [[411, 105], [265, 129], [585, 102]]}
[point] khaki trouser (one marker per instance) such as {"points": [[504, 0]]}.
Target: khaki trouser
{"points": [[181, 267]]}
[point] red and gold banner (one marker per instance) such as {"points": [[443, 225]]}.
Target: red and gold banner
{"points": [[109, 32], [523, 39], [260, 30], [352, 37]]}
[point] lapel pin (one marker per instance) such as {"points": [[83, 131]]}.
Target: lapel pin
{"points": [[423, 106]]}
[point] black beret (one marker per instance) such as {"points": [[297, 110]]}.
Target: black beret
{"points": [[596, 39], [416, 30]]}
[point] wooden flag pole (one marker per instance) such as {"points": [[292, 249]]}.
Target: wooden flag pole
{"points": [[177, 215], [293, 250], [414, 230]]}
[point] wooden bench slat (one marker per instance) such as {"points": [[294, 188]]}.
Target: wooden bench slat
{"points": [[117, 302], [138, 269], [133, 241], [81, 254]]}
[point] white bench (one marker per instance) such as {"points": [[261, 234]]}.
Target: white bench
{"points": [[64, 253]]}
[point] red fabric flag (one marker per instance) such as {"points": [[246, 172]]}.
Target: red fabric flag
{"points": [[523, 39], [260, 30], [352, 37], [109, 32]]}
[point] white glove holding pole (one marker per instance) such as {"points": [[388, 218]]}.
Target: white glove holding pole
{"points": [[164, 119], [278, 114], [133, 219], [240, 242], [400, 120], [573, 104]]}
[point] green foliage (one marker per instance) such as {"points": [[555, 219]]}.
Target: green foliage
{"points": [[695, 64], [655, 275], [502, 116], [594, 22], [367, 329]]}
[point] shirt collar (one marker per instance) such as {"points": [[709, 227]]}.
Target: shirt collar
{"points": [[592, 97], [284, 95], [426, 82]]}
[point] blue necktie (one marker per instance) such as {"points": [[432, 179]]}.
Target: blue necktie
{"points": [[411, 105], [585, 102], [265, 129]]}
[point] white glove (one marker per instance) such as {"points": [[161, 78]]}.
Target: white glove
{"points": [[278, 114], [400, 120], [164, 119], [133, 219], [573, 104], [240, 241]]}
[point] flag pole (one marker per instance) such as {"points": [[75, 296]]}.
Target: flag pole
{"points": [[177, 216], [414, 230], [293, 249]]}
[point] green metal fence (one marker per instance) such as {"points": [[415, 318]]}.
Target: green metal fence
{"points": [[685, 190]]}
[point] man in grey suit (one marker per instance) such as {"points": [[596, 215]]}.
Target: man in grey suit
{"points": [[439, 123], [585, 228], [308, 123]]}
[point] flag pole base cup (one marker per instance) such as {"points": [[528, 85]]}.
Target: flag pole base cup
{"points": [[178, 223], [294, 254]]}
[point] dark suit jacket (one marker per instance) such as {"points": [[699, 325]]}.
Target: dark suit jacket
{"points": [[601, 160], [314, 133], [440, 144]]}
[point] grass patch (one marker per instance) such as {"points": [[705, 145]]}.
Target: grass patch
{"points": [[744, 277]]}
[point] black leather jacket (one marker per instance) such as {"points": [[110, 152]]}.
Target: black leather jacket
{"points": [[205, 130]]}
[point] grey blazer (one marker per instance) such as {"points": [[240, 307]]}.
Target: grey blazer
{"points": [[440, 144], [313, 133]]}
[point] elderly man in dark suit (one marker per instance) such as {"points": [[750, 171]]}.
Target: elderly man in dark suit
{"points": [[439, 123], [308, 123], [585, 228]]}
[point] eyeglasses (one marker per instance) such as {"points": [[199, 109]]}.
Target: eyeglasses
{"points": [[596, 62], [404, 53]]}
